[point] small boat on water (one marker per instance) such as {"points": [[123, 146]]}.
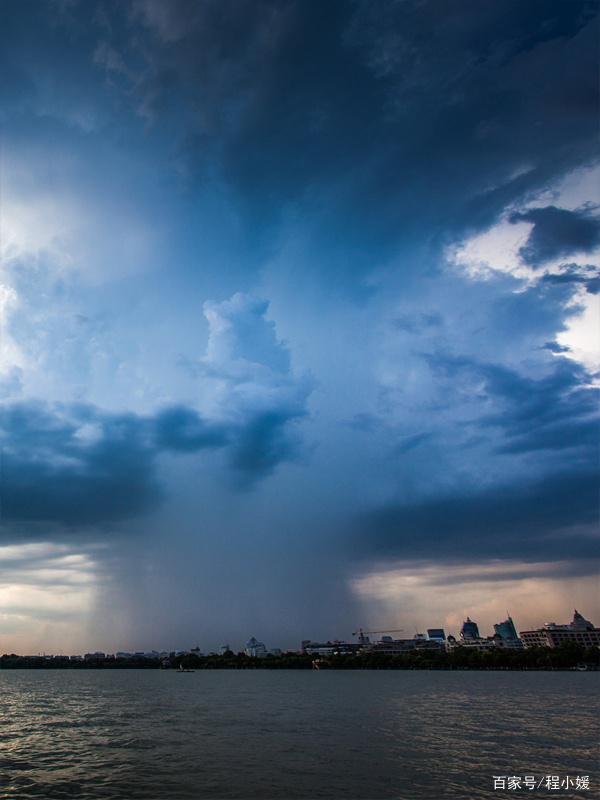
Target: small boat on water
{"points": [[182, 669]]}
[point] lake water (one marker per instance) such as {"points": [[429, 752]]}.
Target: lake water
{"points": [[293, 734]]}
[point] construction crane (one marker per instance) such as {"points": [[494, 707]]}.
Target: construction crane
{"points": [[362, 635]]}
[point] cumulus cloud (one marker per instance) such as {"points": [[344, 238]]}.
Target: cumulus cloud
{"points": [[248, 384], [532, 245], [75, 464]]}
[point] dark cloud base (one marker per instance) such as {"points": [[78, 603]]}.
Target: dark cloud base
{"points": [[549, 428], [547, 520], [75, 465]]}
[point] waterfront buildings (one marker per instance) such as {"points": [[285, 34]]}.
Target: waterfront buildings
{"points": [[471, 643], [469, 630], [579, 631], [97, 656], [436, 635], [328, 648], [506, 630], [417, 642], [434, 640], [505, 637], [506, 634], [255, 649]]}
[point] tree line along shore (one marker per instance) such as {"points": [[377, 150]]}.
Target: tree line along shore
{"points": [[568, 656]]}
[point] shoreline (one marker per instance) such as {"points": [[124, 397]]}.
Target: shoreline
{"points": [[565, 658]]}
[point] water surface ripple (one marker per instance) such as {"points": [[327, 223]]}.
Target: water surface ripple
{"points": [[413, 735]]}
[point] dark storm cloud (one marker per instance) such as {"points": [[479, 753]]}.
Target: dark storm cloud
{"points": [[309, 149], [391, 129], [556, 412], [57, 469], [586, 275], [182, 429], [557, 232], [76, 465], [263, 443], [555, 347], [254, 446], [549, 519], [593, 286], [376, 127]]}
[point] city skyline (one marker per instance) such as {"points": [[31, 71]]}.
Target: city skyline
{"points": [[468, 628], [579, 628], [299, 311]]}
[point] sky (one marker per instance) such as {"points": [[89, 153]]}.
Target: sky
{"points": [[298, 319]]}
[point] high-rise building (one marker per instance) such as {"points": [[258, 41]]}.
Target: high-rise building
{"points": [[255, 649], [436, 635], [578, 631], [469, 630], [580, 623], [506, 629]]}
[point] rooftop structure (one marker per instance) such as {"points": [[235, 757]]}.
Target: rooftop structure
{"points": [[328, 648], [579, 631], [471, 643], [469, 630], [436, 634], [419, 641], [255, 649], [506, 629]]}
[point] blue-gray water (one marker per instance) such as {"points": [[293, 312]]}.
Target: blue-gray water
{"points": [[292, 734]]}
